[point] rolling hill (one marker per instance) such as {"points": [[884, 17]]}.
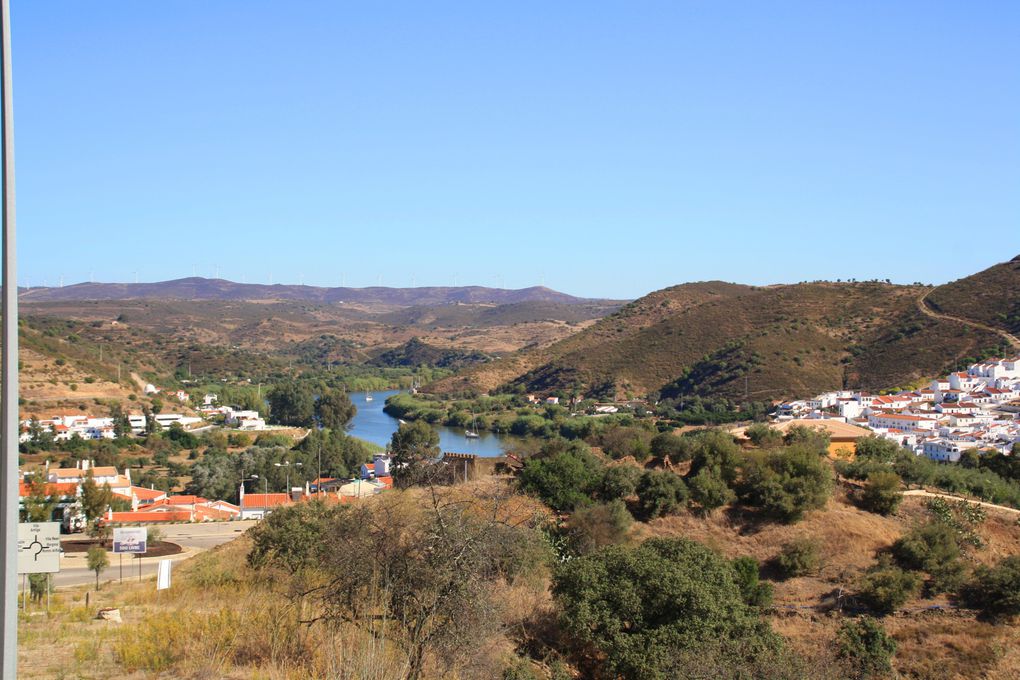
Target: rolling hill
{"points": [[198, 288], [761, 343], [991, 297]]}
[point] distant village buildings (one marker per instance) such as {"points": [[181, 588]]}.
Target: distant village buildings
{"points": [[974, 409]]}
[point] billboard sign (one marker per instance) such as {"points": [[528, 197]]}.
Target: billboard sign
{"points": [[129, 539]]}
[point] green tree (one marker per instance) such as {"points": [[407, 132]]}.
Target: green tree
{"points": [[618, 481], [970, 459], [668, 445], [38, 504], [335, 410], [764, 436], [928, 547], [786, 483], [866, 646], [95, 499], [97, 560], [564, 479], [882, 492], [434, 572], [995, 590], [877, 449], [799, 557], [660, 492], [814, 438], [414, 447], [708, 490], [754, 592], [885, 587], [644, 608], [121, 423], [292, 403]]}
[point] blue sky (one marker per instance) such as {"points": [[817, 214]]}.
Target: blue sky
{"points": [[607, 149]]}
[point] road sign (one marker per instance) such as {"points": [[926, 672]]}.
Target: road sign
{"points": [[129, 539], [38, 547]]}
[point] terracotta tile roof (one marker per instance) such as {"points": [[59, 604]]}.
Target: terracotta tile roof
{"points": [[107, 471], [182, 499], [52, 489], [144, 494], [140, 516], [265, 500]]}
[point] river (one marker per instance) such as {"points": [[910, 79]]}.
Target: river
{"points": [[372, 425]]}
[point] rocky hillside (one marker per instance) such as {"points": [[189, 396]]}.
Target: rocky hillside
{"points": [[991, 297], [762, 342]]}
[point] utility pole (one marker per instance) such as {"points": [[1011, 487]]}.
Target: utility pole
{"points": [[8, 365]]}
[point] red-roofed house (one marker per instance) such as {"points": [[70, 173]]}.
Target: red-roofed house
{"points": [[258, 505]]}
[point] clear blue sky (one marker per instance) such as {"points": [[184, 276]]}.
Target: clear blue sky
{"points": [[609, 149]]}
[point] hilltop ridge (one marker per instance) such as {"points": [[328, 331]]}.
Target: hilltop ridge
{"points": [[199, 288], [765, 342]]}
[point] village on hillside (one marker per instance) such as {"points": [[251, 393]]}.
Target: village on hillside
{"points": [[975, 409]]}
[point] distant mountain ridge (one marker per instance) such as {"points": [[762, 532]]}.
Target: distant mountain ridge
{"points": [[199, 288]]}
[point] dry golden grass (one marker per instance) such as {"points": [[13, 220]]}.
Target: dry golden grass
{"points": [[222, 620]]}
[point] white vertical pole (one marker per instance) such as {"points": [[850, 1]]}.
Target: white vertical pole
{"points": [[8, 365]]}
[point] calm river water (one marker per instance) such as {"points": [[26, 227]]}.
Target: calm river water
{"points": [[371, 424]]}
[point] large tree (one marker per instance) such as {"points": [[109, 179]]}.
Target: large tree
{"points": [[335, 410], [292, 403], [642, 610], [430, 575], [786, 483], [414, 447]]}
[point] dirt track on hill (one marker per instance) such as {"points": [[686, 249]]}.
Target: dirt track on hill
{"points": [[929, 494], [927, 311]]}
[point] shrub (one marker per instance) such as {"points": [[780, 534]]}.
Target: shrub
{"points": [[623, 603], [755, 593], [814, 438], [708, 490], [866, 645], [563, 480], [995, 590], [886, 587], [660, 493], [618, 481], [799, 558], [926, 548], [786, 483], [763, 435], [597, 526], [882, 493], [877, 449], [668, 445]]}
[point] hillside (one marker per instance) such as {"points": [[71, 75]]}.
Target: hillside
{"points": [[223, 619], [759, 343], [198, 288], [991, 297]]}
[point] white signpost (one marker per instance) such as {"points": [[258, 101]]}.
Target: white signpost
{"points": [[38, 547], [38, 553]]}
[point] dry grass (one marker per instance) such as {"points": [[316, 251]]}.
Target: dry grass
{"points": [[221, 621]]}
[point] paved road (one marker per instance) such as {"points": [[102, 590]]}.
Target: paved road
{"points": [[194, 538], [928, 311]]}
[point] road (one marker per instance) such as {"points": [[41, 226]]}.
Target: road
{"points": [[194, 538], [922, 305]]}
